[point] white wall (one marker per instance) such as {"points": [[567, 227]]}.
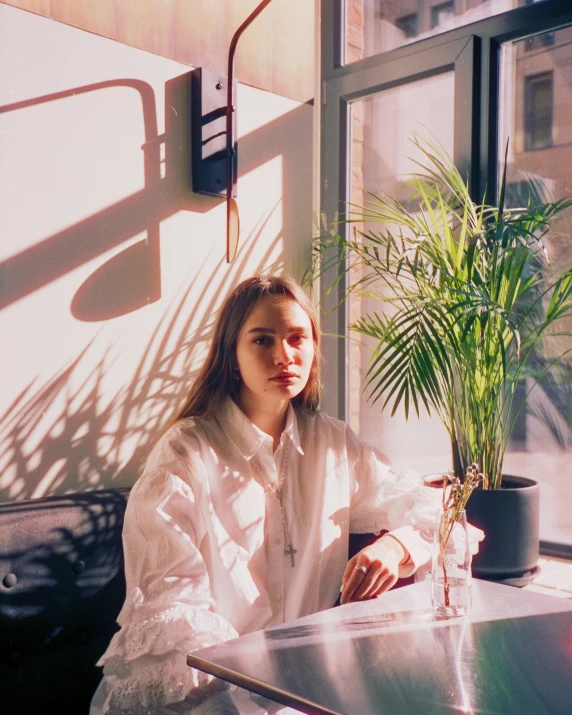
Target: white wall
{"points": [[110, 268]]}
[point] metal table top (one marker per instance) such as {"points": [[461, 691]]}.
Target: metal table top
{"points": [[511, 654]]}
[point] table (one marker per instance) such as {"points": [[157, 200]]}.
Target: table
{"points": [[511, 654]]}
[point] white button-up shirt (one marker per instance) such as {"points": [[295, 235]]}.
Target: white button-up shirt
{"points": [[206, 530]]}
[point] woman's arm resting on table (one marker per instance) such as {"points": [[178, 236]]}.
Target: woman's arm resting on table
{"points": [[373, 570]]}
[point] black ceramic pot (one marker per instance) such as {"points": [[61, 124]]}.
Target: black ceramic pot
{"points": [[510, 517]]}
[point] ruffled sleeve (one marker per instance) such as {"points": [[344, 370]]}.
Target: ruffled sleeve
{"points": [[401, 504], [169, 610]]}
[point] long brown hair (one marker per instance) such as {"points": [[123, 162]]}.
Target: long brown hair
{"points": [[216, 379]]}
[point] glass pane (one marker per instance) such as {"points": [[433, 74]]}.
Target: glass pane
{"points": [[382, 158], [375, 26], [536, 118]]}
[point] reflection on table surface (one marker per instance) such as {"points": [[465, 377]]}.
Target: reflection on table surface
{"points": [[511, 654]]}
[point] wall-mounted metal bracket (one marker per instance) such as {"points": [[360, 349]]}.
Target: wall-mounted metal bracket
{"points": [[208, 133]]}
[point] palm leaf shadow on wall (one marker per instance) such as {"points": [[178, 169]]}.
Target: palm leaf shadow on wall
{"points": [[56, 439]]}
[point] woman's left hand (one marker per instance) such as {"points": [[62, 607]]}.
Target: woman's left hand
{"points": [[373, 570]]}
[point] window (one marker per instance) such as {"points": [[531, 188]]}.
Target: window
{"points": [[408, 24], [535, 114], [382, 157], [537, 42], [443, 85], [538, 100], [376, 26], [441, 14]]}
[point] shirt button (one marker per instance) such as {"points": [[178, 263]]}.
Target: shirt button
{"points": [[277, 540], [277, 597]]}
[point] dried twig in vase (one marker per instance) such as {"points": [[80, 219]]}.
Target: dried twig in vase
{"points": [[455, 496]]}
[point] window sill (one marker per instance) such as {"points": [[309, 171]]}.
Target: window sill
{"points": [[554, 579]]}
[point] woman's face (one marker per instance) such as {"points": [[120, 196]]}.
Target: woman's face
{"points": [[274, 352]]}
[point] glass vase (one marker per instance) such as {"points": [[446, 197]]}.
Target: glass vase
{"points": [[451, 565]]}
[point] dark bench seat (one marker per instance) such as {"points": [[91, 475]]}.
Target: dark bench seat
{"points": [[61, 588]]}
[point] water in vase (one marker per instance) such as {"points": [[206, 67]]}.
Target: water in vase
{"points": [[451, 598]]}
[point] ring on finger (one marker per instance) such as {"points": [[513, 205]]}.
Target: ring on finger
{"points": [[363, 569]]}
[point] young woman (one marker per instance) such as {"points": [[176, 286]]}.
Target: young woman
{"points": [[242, 515]]}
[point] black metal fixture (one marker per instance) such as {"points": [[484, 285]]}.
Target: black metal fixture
{"points": [[213, 136]]}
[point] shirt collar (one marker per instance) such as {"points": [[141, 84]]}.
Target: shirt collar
{"points": [[247, 437]]}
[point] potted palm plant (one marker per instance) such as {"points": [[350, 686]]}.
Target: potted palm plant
{"points": [[468, 302]]}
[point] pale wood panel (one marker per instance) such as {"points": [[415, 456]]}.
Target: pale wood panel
{"points": [[201, 34], [97, 17], [40, 7], [275, 53], [293, 65], [147, 24], [254, 54]]}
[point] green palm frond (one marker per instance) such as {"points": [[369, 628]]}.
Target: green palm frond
{"points": [[466, 300]]}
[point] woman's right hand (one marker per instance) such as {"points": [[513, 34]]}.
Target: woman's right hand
{"points": [[373, 570]]}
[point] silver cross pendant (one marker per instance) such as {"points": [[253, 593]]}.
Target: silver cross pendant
{"points": [[290, 551]]}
